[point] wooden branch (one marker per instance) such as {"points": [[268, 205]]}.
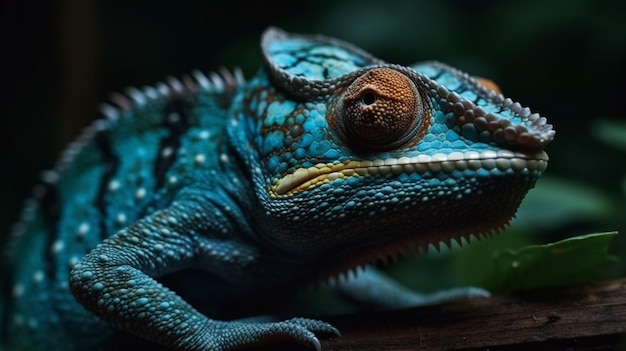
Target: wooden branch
{"points": [[589, 317]]}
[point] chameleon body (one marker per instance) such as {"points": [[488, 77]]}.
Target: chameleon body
{"points": [[197, 195]]}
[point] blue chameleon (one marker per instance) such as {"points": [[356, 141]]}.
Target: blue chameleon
{"points": [[173, 220]]}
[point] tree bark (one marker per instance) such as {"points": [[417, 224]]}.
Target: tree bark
{"points": [[589, 317]]}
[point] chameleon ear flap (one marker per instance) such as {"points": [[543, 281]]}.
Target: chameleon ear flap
{"points": [[306, 64]]}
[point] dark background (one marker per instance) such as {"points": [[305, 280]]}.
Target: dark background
{"points": [[564, 59]]}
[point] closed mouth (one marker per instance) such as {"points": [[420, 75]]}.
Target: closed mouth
{"points": [[503, 160]]}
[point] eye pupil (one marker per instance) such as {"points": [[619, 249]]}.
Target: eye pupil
{"points": [[368, 98]]}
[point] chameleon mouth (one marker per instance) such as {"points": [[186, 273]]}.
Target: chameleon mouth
{"points": [[503, 160]]}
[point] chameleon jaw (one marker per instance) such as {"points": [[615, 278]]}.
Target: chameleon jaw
{"points": [[344, 264], [308, 178]]}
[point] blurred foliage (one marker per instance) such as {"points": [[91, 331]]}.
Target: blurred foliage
{"points": [[557, 202], [576, 260], [564, 59], [613, 133]]}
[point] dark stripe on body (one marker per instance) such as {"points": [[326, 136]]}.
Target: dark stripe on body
{"points": [[111, 165], [176, 113], [50, 208]]}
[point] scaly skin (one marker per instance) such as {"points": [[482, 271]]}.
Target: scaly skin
{"points": [[225, 191]]}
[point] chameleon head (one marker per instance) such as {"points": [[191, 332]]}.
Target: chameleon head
{"points": [[356, 151]]}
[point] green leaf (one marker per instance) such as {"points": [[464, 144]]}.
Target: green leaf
{"points": [[575, 260], [474, 264]]}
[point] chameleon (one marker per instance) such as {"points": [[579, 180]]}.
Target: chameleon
{"points": [[174, 218]]}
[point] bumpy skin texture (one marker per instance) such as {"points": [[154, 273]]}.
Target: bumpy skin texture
{"points": [[225, 190]]}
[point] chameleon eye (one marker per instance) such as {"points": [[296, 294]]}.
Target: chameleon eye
{"points": [[380, 110]]}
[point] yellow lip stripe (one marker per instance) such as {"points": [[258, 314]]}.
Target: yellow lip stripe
{"points": [[307, 178]]}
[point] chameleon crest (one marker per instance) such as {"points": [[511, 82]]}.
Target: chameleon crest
{"points": [[197, 199]]}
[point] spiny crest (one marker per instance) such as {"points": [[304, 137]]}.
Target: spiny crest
{"points": [[223, 83]]}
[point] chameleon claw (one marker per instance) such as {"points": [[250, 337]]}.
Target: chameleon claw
{"points": [[316, 344]]}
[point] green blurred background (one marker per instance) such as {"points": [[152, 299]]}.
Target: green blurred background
{"points": [[564, 59]]}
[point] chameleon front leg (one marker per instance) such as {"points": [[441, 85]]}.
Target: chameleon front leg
{"points": [[115, 282]]}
